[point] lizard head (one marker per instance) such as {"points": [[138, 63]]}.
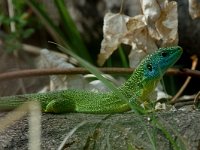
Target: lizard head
{"points": [[149, 72], [156, 64]]}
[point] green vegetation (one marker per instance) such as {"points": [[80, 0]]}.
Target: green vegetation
{"points": [[15, 27]]}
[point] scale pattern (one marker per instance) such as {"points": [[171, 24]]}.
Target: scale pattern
{"points": [[137, 88]]}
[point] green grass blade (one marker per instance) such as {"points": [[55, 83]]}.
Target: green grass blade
{"points": [[92, 69], [48, 23], [98, 74], [183, 143], [56, 33], [123, 57], [71, 30]]}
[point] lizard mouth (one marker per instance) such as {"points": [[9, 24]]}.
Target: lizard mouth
{"points": [[169, 57], [176, 54], [161, 60]]}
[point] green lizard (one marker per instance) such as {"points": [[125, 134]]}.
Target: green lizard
{"points": [[137, 88]]}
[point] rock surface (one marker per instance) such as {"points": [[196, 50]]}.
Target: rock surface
{"points": [[117, 131]]}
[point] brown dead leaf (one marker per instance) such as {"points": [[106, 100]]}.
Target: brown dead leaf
{"points": [[143, 44], [194, 9], [151, 9], [135, 26], [114, 28], [156, 27], [167, 25], [136, 55]]}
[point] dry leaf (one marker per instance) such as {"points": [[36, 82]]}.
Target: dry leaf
{"points": [[151, 10], [156, 27], [138, 37], [167, 25], [194, 8], [142, 46], [135, 26], [136, 56], [114, 28]]}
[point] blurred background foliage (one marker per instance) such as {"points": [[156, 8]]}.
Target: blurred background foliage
{"points": [[37, 22], [26, 23], [22, 26]]}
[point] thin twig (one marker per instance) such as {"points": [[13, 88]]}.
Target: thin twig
{"points": [[183, 101], [121, 7], [36, 50], [55, 71], [194, 65], [79, 70], [183, 72], [178, 104], [20, 80], [197, 100]]}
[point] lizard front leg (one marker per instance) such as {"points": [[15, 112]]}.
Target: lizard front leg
{"points": [[60, 106]]}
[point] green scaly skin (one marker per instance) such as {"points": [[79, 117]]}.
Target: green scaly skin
{"points": [[136, 89]]}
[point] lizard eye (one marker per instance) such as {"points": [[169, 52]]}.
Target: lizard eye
{"points": [[149, 67], [164, 54]]}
